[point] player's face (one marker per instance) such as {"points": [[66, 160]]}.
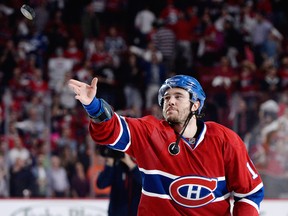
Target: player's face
{"points": [[176, 106]]}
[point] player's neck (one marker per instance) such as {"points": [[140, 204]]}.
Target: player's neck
{"points": [[190, 130]]}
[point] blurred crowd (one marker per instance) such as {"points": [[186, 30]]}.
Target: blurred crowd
{"points": [[238, 49]]}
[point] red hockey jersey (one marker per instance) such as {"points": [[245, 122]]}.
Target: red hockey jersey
{"points": [[197, 181]]}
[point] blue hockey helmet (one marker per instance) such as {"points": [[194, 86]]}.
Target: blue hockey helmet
{"points": [[187, 83]]}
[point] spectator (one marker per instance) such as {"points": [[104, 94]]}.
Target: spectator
{"points": [[275, 171], [90, 23], [80, 184], [38, 83], [68, 161], [143, 22], [35, 101], [146, 53], [73, 52], [132, 80], [33, 125], [58, 66], [58, 178], [4, 190], [248, 88], [125, 180], [268, 111], [66, 98], [194, 22], [154, 74], [234, 44], [271, 154], [165, 41], [247, 17], [42, 14], [18, 84], [18, 151], [270, 83], [224, 17], [115, 44], [22, 28], [223, 82], [38, 42], [283, 73], [85, 70], [109, 82], [183, 31], [272, 47], [40, 171], [100, 57], [210, 42], [66, 140], [247, 81], [22, 180], [259, 35], [8, 61], [57, 115], [57, 31], [29, 66], [94, 170], [169, 14]]}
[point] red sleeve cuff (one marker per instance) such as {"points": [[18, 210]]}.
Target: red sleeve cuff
{"points": [[242, 208]]}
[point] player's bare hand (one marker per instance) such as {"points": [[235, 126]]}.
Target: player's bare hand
{"points": [[84, 93]]}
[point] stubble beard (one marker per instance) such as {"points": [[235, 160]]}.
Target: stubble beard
{"points": [[174, 119]]}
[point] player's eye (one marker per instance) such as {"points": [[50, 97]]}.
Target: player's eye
{"points": [[166, 98], [178, 97]]}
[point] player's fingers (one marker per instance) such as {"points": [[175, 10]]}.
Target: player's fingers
{"points": [[94, 82], [77, 97], [77, 86], [77, 91], [74, 82], [73, 88]]}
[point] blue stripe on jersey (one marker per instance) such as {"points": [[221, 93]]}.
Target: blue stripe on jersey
{"points": [[254, 196], [221, 188], [123, 140], [158, 184]]}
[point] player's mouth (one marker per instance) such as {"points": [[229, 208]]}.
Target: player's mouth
{"points": [[171, 110]]}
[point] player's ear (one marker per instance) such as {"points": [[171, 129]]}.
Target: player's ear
{"points": [[195, 106]]}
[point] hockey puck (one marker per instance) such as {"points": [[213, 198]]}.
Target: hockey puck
{"points": [[28, 12]]}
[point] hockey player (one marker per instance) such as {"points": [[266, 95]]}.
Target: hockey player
{"points": [[188, 166]]}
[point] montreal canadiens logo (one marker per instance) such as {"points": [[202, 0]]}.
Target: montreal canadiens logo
{"points": [[193, 191]]}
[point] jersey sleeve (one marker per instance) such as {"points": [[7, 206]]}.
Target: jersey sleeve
{"points": [[242, 177], [108, 132], [119, 131]]}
